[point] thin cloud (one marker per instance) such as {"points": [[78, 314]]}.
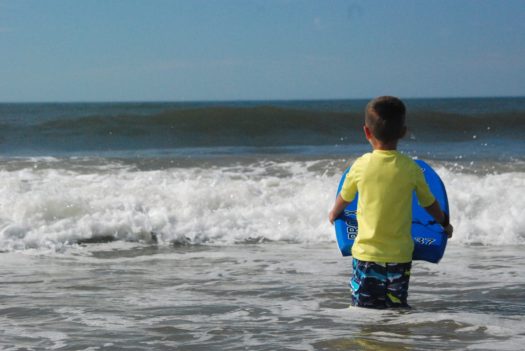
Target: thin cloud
{"points": [[318, 23], [355, 10], [190, 64]]}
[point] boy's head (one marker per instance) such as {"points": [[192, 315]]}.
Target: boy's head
{"points": [[385, 118]]}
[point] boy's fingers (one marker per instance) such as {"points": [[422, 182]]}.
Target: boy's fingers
{"points": [[449, 230], [331, 217]]}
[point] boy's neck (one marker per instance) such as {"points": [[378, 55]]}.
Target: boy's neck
{"points": [[377, 145]]}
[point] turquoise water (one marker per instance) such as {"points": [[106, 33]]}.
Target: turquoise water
{"points": [[441, 128]]}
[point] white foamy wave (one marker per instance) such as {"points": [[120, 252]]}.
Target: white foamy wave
{"points": [[55, 208], [487, 209]]}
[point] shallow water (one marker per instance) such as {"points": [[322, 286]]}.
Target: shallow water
{"points": [[271, 296]]}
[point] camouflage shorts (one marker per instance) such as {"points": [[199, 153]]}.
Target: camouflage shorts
{"points": [[380, 285]]}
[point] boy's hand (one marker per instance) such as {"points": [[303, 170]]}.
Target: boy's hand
{"points": [[449, 229], [339, 206], [332, 217]]}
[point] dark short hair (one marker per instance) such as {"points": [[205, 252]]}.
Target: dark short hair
{"points": [[385, 117]]}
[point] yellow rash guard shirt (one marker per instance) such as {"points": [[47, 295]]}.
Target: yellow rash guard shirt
{"points": [[385, 181]]}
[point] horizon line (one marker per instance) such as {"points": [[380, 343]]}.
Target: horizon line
{"points": [[252, 100]]}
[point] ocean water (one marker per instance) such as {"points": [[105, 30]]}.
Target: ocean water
{"points": [[198, 226]]}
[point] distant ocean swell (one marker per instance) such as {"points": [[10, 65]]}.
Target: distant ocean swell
{"points": [[241, 126], [53, 209]]}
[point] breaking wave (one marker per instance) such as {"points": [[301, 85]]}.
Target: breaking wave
{"points": [[56, 208]]}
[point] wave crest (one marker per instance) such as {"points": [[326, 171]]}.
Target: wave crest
{"points": [[287, 201]]}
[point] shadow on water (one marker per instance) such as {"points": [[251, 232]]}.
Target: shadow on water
{"points": [[398, 334], [360, 343]]}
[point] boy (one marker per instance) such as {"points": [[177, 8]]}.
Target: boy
{"points": [[385, 180]]}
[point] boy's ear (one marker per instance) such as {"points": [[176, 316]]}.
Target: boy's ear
{"points": [[403, 132], [368, 132]]}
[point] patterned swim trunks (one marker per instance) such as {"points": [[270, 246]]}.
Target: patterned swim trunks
{"points": [[380, 285]]}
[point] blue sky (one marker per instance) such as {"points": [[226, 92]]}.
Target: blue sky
{"points": [[175, 50]]}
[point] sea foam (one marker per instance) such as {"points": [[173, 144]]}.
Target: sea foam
{"points": [[221, 205]]}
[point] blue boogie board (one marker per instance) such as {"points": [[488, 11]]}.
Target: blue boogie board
{"points": [[429, 237]]}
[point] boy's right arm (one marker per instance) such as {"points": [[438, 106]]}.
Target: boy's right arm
{"points": [[339, 206], [441, 217]]}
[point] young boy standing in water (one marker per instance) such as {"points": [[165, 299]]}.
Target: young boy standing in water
{"points": [[385, 180]]}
